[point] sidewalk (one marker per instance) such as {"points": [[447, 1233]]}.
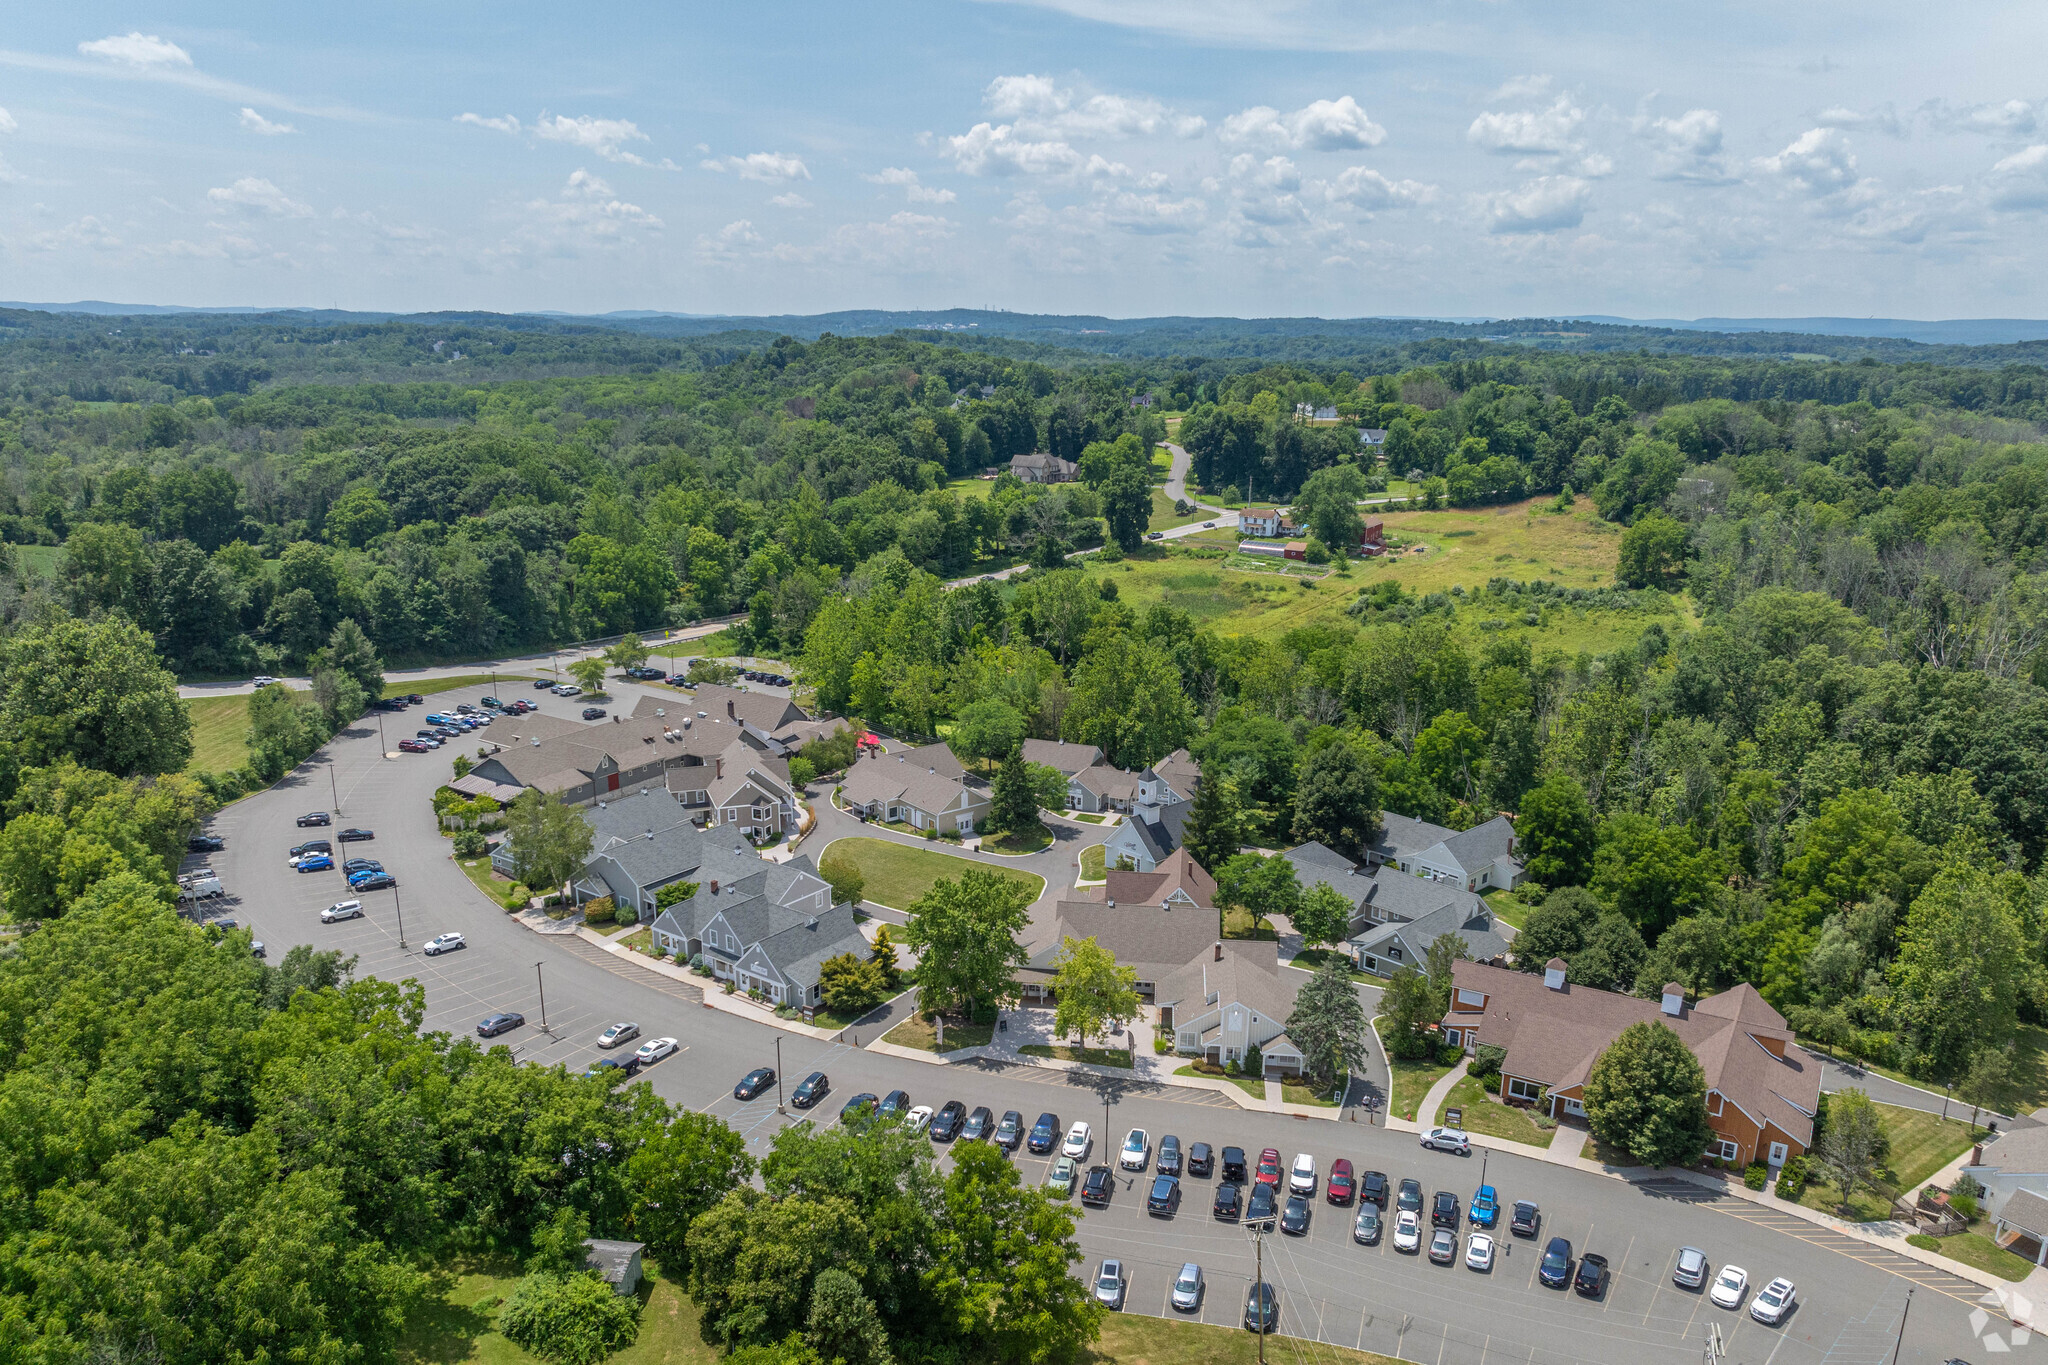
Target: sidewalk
{"points": [[1425, 1114]]}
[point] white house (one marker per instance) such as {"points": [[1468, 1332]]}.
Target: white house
{"points": [[1228, 1000], [2014, 1173]]}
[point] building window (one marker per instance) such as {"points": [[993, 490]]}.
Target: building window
{"points": [[1519, 1089], [1372, 964], [1726, 1149]]}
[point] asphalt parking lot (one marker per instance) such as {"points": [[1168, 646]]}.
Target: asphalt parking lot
{"points": [[1331, 1290]]}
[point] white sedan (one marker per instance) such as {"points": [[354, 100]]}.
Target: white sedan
{"points": [[1408, 1231], [1479, 1252], [1729, 1286], [655, 1049], [1079, 1139], [341, 910], [1137, 1150], [444, 943], [918, 1119], [1773, 1302]]}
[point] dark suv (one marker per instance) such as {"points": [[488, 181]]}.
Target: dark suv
{"points": [[980, 1124], [946, 1123], [1527, 1218], [1372, 1188], [1010, 1131], [1201, 1160], [1443, 1210], [1233, 1165], [1409, 1200], [1556, 1267], [1045, 1134], [1097, 1188], [1169, 1155]]}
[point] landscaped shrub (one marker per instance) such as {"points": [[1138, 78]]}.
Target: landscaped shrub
{"points": [[598, 911], [569, 1319], [1486, 1060], [1757, 1176], [1964, 1204], [1792, 1179], [625, 914], [470, 843]]}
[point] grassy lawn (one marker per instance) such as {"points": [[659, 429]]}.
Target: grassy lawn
{"points": [[1091, 863], [1466, 547], [1412, 1081], [1507, 909], [220, 729], [1977, 1250], [978, 489], [478, 870], [1097, 1056], [1295, 1093], [1032, 840], [434, 687], [1484, 1114], [1090, 819], [1164, 518], [1308, 959], [641, 940], [896, 874], [917, 1032], [1921, 1144], [1251, 1085], [1239, 924], [457, 1329], [1139, 1339]]}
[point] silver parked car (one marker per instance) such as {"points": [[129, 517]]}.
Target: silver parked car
{"points": [[1187, 1288], [1109, 1285], [1691, 1270]]}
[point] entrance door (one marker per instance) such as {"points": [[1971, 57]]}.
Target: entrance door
{"points": [[611, 784], [1778, 1154]]}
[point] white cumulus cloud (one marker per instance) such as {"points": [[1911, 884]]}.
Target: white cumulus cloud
{"points": [[137, 49], [1687, 148], [772, 166], [1544, 204], [792, 200], [1524, 132], [587, 213], [505, 124], [2020, 181], [1818, 162], [256, 123], [255, 195], [1365, 188], [7, 123], [1323, 126], [1040, 107], [996, 149], [1882, 119], [604, 136], [2013, 118], [915, 190]]}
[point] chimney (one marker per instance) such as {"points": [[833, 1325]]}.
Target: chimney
{"points": [[728, 707], [714, 888], [1553, 973], [1674, 999], [720, 761], [1219, 950]]}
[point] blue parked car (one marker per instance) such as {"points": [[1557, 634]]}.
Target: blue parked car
{"points": [[316, 862], [1484, 1210]]}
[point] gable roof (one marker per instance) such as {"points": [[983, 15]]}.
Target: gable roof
{"points": [[1404, 835], [1243, 972], [1110, 783], [1153, 939], [1179, 771], [571, 758], [1178, 871], [1476, 847], [1483, 939], [800, 946], [763, 709], [1400, 895], [929, 778], [1058, 753], [1157, 828], [1314, 862], [1554, 1037]]}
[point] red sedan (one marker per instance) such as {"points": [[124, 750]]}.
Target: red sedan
{"points": [[1341, 1189], [411, 746], [1269, 1169]]}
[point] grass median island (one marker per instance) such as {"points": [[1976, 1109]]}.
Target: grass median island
{"points": [[434, 687], [918, 1032], [1091, 863], [1094, 1056], [1033, 840], [1487, 1115], [895, 874], [1138, 1339]]}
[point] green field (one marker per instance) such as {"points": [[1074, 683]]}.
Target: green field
{"points": [[457, 1327], [897, 874], [1921, 1144], [40, 559], [220, 725], [971, 488], [1091, 863], [1461, 548], [1164, 518], [917, 1032]]}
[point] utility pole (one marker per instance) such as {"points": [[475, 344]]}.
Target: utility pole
{"points": [[778, 1073], [399, 906], [1900, 1343], [543, 1001], [1259, 1289], [1716, 1350]]}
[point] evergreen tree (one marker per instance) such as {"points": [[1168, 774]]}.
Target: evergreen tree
{"points": [[1210, 834], [1013, 807], [1328, 1025]]}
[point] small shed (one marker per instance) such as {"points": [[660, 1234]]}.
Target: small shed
{"points": [[617, 1262], [1297, 549]]}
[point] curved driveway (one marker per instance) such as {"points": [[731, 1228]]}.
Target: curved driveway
{"points": [[1331, 1289]]}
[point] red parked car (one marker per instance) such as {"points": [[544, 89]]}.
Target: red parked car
{"points": [[1269, 1169], [1340, 1189], [411, 746]]}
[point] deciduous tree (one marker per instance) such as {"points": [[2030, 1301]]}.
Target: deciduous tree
{"points": [[1092, 989], [1647, 1096], [1337, 801], [965, 933]]}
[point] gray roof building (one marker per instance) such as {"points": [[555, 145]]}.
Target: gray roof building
{"points": [[764, 926]]}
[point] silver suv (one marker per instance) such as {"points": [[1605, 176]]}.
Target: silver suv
{"points": [[1691, 1270]]}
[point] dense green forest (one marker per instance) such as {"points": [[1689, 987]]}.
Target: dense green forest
{"points": [[1817, 767]]}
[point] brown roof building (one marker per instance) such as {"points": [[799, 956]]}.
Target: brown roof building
{"points": [[1762, 1091]]}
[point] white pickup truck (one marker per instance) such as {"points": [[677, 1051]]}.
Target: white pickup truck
{"points": [[198, 886]]}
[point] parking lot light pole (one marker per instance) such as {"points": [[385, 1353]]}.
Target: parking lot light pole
{"points": [[397, 905], [778, 1073], [332, 789], [1900, 1343], [383, 745], [543, 1000]]}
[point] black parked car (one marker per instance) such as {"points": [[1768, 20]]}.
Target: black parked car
{"points": [[593, 713], [1010, 1131], [356, 836], [1591, 1281], [1372, 1188], [312, 846], [625, 1065], [813, 1088], [540, 683], [205, 843], [1443, 1210], [893, 1105], [1262, 1206], [1201, 1161], [1228, 1202], [1233, 1165], [376, 881], [355, 865], [1261, 1308], [754, 1082], [946, 1123], [859, 1107], [1409, 1200], [1165, 1197], [1169, 1155], [1097, 1188], [1294, 1218], [495, 1024], [1527, 1218], [1045, 1134], [980, 1124], [318, 817], [1556, 1267]]}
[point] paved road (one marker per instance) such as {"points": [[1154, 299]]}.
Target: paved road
{"points": [[1838, 1075], [1331, 1289]]}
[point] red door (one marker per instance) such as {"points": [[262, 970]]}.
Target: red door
{"points": [[611, 784]]}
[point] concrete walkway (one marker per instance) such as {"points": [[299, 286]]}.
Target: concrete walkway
{"points": [[1425, 1114]]}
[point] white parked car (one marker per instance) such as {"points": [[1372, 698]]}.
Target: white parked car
{"points": [[1773, 1302], [1729, 1286], [1137, 1150], [262, 680], [444, 943], [1408, 1231], [618, 1033], [655, 1049], [918, 1118], [566, 690], [1080, 1138], [1448, 1140], [1301, 1178], [1479, 1252], [341, 910]]}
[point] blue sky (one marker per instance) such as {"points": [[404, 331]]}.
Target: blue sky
{"points": [[1115, 156]]}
